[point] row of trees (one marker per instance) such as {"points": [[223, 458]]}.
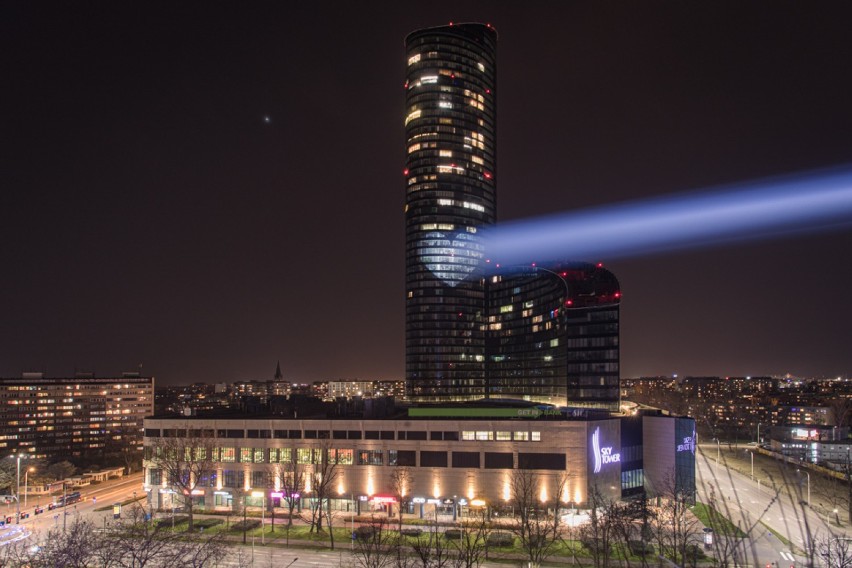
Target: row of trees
{"points": [[613, 525], [131, 542], [42, 472], [635, 532], [190, 462]]}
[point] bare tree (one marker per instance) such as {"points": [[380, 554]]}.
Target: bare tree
{"points": [[536, 528], [129, 543], [432, 550], [601, 530], [186, 461], [374, 543], [472, 544], [401, 482], [834, 552], [677, 521], [323, 477], [292, 485], [78, 546]]}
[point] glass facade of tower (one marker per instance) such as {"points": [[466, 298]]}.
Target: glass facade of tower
{"points": [[553, 335], [450, 172]]}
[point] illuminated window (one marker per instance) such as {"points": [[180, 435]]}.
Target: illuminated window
{"points": [[306, 456], [474, 206], [506, 308], [445, 104], [429, 79], [522, 436], [502, 436], [475, 160], [446, 227], [259, 456], [414, 59], [484, 435], [479, 65], [413, 148], [229, 455], [341, 457], [536, 436], [370, 457], [445, 153], [468, 435], [413, 115], [245, 455], [496, 326], [554, 342]]}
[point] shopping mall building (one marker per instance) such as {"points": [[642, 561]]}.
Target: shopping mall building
{"points": [[453, 454]]}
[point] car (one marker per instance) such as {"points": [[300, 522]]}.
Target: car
{"points": [[38, 510]]}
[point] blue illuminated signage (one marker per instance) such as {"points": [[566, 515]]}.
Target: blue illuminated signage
{"points": [[688, 443], [603, 454]]}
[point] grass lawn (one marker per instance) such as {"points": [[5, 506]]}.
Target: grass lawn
{"points": [[123, 504], [712, 518]]}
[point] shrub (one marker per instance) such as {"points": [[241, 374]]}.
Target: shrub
{"points": [[246, 525], [365, 532], [167, 521], [411, 532], [207, 523], [640, 547], [453, 534], [501, 539]]}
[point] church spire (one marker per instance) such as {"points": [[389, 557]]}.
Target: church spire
{"points": [[278, 374]]}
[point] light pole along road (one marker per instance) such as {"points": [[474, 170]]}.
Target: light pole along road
{"points": [[749, 503]]}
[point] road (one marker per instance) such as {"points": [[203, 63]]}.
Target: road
{"points": [[93, 497], [755, 508]]}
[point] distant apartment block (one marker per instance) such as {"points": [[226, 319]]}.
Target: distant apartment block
{"points": [[50, 416]]}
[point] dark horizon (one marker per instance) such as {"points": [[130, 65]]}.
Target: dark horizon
{"points": [[208, 189]]}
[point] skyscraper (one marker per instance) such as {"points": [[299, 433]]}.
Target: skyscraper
{"points": [[450, 194], [553, 335], [546, 333]]}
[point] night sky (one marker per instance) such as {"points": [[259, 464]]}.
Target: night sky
{"points": [[209, 188]]}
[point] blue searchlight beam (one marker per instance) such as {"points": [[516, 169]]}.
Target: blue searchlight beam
{"points": [[774, 207]]}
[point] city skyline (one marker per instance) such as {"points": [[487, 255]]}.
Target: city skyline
{"points": [[207, 191]]}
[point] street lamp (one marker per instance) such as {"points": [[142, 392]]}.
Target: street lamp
{"points": [[18, 456]]}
